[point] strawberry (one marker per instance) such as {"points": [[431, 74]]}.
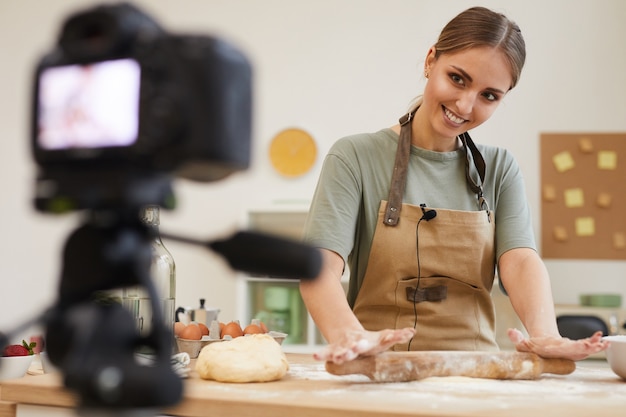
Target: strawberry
{"points": [[24, 349], [29, 347], [15, 350]]}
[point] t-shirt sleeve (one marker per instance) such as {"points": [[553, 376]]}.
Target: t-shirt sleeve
{"points": [[331, 223], [513, 216]]}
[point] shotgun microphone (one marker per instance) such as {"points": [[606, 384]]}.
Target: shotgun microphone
{"points": [[269, 255], [263, 254]]}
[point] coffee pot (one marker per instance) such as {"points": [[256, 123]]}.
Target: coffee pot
{"points": [[201, 314]]}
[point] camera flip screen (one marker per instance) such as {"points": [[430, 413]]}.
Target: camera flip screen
{"points": [[89, 106]]}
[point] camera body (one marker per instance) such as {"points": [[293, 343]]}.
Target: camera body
{"points": [[120, 107]]}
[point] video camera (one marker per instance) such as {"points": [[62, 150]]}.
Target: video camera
{"points": [[121, 107]]}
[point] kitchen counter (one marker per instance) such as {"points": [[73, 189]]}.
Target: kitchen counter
{"points": [[308, 390], [7, 409]]}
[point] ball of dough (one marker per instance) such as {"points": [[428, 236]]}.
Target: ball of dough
{"points": [[253, 358]]}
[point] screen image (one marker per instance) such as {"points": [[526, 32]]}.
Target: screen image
{"points": [[89, 106]]}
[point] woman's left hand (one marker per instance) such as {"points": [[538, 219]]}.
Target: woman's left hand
{"points": [[356, 343], [558, 347]]}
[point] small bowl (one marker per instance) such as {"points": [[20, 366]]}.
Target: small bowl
{"points": [[616, 354], [12, 367]]}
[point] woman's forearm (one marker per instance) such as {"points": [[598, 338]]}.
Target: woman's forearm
{"points": [[326, 300], [527, 283]]}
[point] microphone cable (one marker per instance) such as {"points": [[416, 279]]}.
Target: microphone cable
{"points": [[428, 216], [419, 277]]}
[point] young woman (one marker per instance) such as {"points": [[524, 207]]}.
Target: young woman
{"points": [[422, 216]]}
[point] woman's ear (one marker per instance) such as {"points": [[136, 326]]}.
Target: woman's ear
{"points": [[431, 57]]}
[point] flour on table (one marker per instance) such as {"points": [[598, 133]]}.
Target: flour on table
{"points": [[253, 358], [454, 380]]}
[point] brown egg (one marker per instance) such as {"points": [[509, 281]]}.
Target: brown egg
{"points": [[252, 329], [263, 327], [232, 329], [204, 329], [178, 327], [191, 332]]}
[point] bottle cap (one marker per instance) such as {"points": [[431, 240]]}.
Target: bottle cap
{"points": [[150, 215]]}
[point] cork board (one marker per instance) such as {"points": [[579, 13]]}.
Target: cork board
{"points": [[583, 196]]}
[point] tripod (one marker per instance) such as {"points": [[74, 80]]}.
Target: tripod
{"points": [[94, 342]]}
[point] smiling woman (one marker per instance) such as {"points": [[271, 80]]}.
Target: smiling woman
{"points": [[422, 216]]}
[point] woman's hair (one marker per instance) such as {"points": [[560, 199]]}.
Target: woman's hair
{"points": [[479, 26]]}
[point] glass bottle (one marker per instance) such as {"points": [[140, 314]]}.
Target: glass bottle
{"points": [[163, 273]]}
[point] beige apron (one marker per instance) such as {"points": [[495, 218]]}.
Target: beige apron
{"points": [[431, 271]]}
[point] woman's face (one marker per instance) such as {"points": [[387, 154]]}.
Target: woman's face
{"points": [[464, 89]]}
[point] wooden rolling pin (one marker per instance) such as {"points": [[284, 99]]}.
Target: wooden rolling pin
{"points": [[413, 366]]}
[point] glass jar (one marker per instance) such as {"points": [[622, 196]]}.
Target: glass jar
{"points": [[163, 273]]}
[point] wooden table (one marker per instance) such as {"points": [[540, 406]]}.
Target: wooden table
{"points": [[308, 390], [7, 409]]}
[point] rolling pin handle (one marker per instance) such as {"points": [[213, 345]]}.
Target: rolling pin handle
{"points": [[363, 365], [558, 366]]}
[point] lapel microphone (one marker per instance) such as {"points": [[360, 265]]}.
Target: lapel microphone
{"points": [[428, 215]]}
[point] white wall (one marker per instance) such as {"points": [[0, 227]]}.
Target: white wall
{"points": [[332, 67]]}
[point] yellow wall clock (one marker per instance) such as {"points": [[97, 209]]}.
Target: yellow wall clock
{"points": [[292, 152]]}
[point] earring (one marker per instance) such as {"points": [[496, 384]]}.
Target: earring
{"points": [[426, 73]]}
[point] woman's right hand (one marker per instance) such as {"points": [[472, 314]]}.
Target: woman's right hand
{"points": [[559, 347], [356, 343]]}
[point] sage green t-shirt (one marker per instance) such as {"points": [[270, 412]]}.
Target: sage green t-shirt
{"points": [[356, 176]]}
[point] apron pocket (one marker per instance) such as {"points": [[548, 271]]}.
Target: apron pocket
{"points": [[453, 322]]}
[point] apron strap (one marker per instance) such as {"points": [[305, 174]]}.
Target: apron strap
{"points": [[479, 163], [400, 169]]}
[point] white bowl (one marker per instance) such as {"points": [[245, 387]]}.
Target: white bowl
{"points": [[14, 366], [616, 354]]}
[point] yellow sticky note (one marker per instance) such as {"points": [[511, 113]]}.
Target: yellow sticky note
{"points": [[585, 226], [563, 161], [574, 197], [607, 160]]}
